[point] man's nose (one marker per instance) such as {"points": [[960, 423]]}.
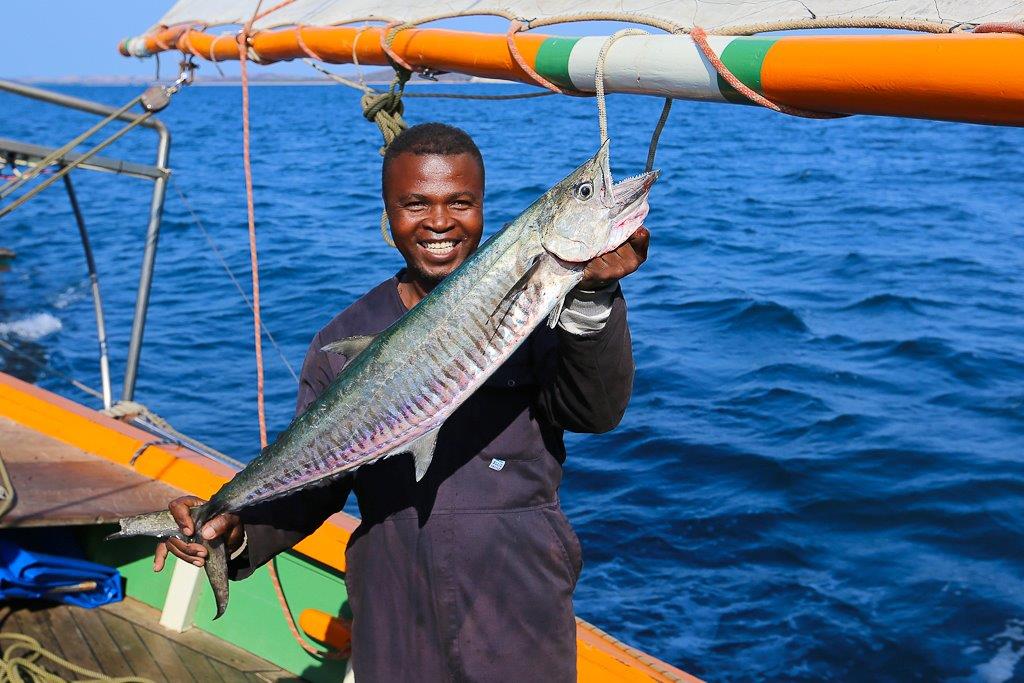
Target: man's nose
{"points": [[439, 219]]}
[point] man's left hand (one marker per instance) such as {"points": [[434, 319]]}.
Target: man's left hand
{"points": [[615, 265]]}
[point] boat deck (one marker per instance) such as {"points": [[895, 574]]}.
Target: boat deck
{"points": [[125, 639], [57, 484]]}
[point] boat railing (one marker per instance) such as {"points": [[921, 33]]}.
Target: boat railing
{"points": [[26, 154]]}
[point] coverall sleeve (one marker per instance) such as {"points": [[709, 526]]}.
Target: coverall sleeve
{"points": [[591, 376], [279, 524]]}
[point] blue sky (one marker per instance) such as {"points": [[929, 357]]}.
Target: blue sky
{"points": [[57, 38]]}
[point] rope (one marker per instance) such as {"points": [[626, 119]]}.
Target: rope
{"points": [[513, 28], [602, 56], [363, 87], [1006, 27], [243, 39], [10, 348], [835, 22], [22, 662], [7, 495], [133, 409], [700, 39], [652, 149]]}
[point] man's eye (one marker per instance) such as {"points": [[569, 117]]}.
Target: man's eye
{"points": [[461, 204]]}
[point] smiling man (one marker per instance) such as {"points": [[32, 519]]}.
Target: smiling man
{"points": [[468, 574]]}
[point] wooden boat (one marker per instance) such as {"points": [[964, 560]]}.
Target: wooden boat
{"points": [[961, 66], [77, 467]]}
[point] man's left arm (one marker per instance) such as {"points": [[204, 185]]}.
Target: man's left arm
{"points": [[592, 378]]}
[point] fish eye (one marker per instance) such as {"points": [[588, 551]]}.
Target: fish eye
{"points": [[585, 191]]}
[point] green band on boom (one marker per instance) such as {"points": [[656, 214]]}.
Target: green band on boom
{"points": [[553, 60], [744, 57]]}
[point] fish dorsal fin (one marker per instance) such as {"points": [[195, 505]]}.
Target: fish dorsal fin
{"points": [[422, 450], [350, 347]]}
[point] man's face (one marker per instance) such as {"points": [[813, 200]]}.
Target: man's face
{"points": [[435, 204]]}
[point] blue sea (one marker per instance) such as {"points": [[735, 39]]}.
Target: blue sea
{"points": [[821, 473]]}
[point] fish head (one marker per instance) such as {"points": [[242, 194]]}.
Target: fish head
{"points": [[590, 214]]}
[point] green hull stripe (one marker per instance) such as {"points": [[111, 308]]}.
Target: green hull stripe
{"points": [[744, 57], [553, 60]]}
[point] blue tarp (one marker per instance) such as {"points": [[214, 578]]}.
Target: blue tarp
{"points": [[30, 574]]}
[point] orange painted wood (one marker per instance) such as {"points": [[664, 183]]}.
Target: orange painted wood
{"points": [[960, 77], [475, 54], [325, 629]]}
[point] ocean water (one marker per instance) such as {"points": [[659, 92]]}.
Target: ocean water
{"points": [[821, 473]]}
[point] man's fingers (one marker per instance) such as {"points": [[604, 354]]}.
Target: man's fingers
{"points": [[159, 556], [640, 241], [193, 553], [221, 525], [179, 508]]}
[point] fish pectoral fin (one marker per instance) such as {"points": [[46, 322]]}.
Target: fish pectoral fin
{"points": [[217, 572], [504, 306], [422, 450], [556, 312], [350, 347]]}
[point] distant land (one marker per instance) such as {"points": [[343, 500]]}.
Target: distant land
{"points": [[374, 77]]}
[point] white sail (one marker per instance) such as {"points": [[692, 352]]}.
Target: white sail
{"points": [[710, 14]]}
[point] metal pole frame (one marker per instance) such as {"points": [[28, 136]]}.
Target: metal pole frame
{"points": [[97, 301], [156, 207]]}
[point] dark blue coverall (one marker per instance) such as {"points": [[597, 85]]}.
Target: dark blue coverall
{"points": [[467, 575]]}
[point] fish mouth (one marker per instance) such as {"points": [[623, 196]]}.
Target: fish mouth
{"points": [[633, 190], [629, 199]]}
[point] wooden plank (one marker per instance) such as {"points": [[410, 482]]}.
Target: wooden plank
{"points": [[131, 646], [72, 640], [204, 643], [232, 675], [59, 484], [165, 655], [33, 623], [103, 647], [199, 665]]}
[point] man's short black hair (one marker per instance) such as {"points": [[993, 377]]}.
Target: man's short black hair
{"points": [[431, 138]]}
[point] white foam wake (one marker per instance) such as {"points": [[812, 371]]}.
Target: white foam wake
{"points": [[31, 328]]}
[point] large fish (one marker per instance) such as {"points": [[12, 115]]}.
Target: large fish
{"points": [[399, 387]]}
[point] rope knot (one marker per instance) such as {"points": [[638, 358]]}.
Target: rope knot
{"points": [[386, 109]]}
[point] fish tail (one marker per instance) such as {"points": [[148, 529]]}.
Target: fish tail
{"points": [[162, 525]]}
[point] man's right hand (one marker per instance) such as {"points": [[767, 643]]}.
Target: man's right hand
{"points": [[227, 526]]}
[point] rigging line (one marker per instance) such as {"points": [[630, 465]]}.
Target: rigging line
{"points": [[56, 154], [10, 348], [341, 80], [243, 54], [227, 269], [700, 39], [243, 58]]}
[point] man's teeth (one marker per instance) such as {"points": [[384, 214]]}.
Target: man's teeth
{"points": [[440, 247]]}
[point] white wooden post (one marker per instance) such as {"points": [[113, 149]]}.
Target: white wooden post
{"points": [[182, 596]]}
